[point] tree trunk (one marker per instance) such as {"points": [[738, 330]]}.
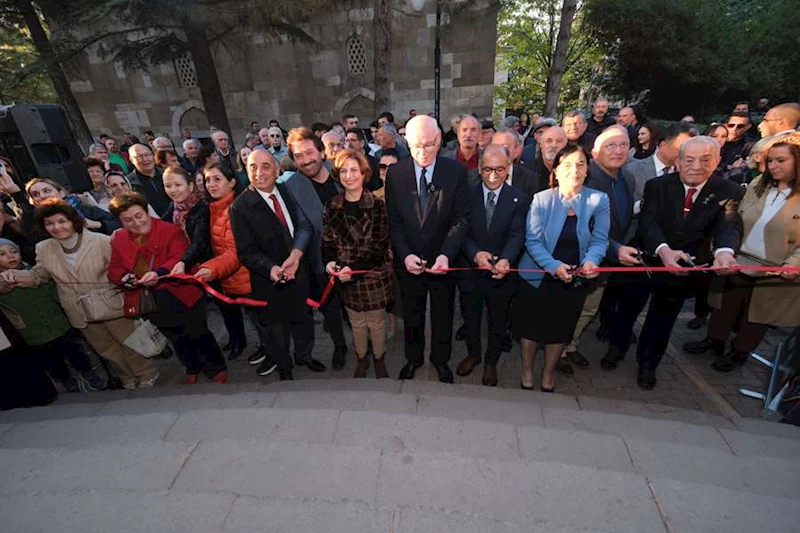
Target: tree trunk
{"points": [[381, 44], [207, 79], [553, 87], [42, 43]]}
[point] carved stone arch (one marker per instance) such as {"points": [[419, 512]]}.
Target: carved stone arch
{"points": [[359, 102], [190, 114]]}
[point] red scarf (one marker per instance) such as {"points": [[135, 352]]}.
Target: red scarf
{"points": [[183, 208]]}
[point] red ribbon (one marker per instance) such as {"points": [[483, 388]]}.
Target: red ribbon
{"points": [[326, 293], [214, 292]]}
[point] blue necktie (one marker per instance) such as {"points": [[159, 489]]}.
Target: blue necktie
{"points": [[490, 205], [423, 191]]}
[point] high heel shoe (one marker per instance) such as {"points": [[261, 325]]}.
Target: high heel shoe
{"points": [[545, 389], [236, 347], [524, 387]]}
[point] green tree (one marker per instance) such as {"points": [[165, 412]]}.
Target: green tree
{"points": [[527, 39], [17, 54]]}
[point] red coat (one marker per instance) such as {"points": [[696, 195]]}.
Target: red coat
{"points": [[225, 265], [165, 245]]}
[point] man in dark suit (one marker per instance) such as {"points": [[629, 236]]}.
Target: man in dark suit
{"points": [[575, 125], [428, 202], [270, 233], [683, 215], [494, 242]]}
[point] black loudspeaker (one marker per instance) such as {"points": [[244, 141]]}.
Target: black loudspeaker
{"points": [[38, 140]]}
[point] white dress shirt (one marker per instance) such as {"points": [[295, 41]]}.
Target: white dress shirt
{"points": [[268, 200], [754, 242]]}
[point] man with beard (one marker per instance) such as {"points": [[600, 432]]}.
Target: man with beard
{"points": [[550, 143], [600, 119], [312, 186]]}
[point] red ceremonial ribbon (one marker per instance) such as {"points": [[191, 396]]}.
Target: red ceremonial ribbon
{"points": [[214, 292]]}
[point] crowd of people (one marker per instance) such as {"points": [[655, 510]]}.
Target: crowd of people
{"points": [[519, 219]]}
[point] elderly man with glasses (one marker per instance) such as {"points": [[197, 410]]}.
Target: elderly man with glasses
{"points": [[146, 178]]}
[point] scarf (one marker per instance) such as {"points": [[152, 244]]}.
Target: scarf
{"points": [[182, 209]]}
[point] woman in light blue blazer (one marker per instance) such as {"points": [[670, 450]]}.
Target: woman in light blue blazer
{"points": [[566, 236]]}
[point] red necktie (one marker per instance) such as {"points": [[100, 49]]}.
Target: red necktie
{"points": [[688, 201], [278, 210]]}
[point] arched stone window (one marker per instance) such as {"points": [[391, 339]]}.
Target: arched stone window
{"points": [[356, 55]]}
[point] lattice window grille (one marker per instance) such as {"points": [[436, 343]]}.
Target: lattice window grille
{"points": [[356, 55], [184, 68]]}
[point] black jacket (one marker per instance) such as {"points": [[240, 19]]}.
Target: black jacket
{"points": [[151, 188], [621, 231], [441, 229], [199, 232], [714, 217]]}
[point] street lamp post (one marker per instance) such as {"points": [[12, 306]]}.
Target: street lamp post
{"points": [[419, 6]]}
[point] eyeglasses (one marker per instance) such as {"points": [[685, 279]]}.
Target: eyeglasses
{"points": [[384, 166], [489, 170], [426, 146], [274, 135], [613, 147], [142, 156], [736, 126]]}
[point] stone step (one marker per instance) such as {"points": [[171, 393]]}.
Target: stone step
{"points": [[360, 488]]}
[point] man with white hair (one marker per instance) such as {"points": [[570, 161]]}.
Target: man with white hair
{"points": [[688, 217], [221, 145], [334, 143], [272, 142], [191, 157], [388, 139], [162, 143], [427, 198]]}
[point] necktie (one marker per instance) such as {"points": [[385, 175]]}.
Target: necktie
{"points": [[278, 210], [688, 201], [423, 191], [665, 171], [490, 205]]}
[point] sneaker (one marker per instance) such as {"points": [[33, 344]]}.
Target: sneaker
{"points": [[267, 367], [258, 357], [149, 382], [129, 385]]}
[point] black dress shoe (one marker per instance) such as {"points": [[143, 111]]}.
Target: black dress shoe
{"points": [[338, 359], [646, 379], [408, 371], [563, 366], [611, 359], [286, 375], [312, 364], [696, 323], [236, 348], [445, 374], [728, 362], [603, 334], [461, 333], [705, 345], [577, 359], [506, 343]]}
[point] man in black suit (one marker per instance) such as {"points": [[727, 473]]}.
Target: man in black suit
{"points": [[428, 202], [270, 233], [683, 215], [494, 242]]}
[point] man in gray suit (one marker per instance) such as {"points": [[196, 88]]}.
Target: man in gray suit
{"points": [[662, 162]]}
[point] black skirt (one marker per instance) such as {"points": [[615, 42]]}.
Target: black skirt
{"points": [[548, 314]]}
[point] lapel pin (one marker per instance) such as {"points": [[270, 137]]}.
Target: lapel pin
{"points": [[515, 199]]}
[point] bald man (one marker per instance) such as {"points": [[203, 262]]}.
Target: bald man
{"points": [[783, 118], [428, 202]]}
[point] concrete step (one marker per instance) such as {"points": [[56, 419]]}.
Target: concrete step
{"points": [[270, 485]]}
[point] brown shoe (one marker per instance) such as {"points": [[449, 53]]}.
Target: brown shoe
{"points": [[466, 366], [490, 375], [380, 368], [361, 368]]}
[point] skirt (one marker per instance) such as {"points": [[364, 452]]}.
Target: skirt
{"points": [[548, 314]]}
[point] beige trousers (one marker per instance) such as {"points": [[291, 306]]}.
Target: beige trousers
{"points": [[370, 323], [590, 307], [108, 338]]}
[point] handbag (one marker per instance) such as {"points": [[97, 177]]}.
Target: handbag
{"points": [[100, 305], [139, 302], [146, 339]]}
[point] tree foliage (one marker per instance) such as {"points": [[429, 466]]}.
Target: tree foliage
{"points": [[18, 84], [697, 56], [527, 34]]}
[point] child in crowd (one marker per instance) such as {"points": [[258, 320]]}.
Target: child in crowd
{"points": [[36, 313]]}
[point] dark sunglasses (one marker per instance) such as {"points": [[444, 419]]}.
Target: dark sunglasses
{"points": [[384, 166], [737, 126]]}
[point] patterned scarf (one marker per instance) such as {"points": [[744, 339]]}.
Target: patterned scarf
{"points": [[182, 209]]}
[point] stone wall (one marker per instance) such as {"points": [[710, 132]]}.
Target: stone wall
{"points": [[264, 78]]}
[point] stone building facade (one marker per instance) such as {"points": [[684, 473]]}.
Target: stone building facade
{"points": [[264, 78]]}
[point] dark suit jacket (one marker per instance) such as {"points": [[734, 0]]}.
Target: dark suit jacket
{"points": [[263, 242], [714, 217], [523, 179], [441, 229], [504, 239], [151, 188], [619, 233]]}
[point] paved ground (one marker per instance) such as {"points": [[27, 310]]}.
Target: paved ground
{"points": [[675, 388]]}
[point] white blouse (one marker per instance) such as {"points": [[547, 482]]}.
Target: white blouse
{"points": [[754, 241]]}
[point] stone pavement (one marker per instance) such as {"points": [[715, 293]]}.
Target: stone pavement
{"points": [[353, 456], [675, 388]]}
